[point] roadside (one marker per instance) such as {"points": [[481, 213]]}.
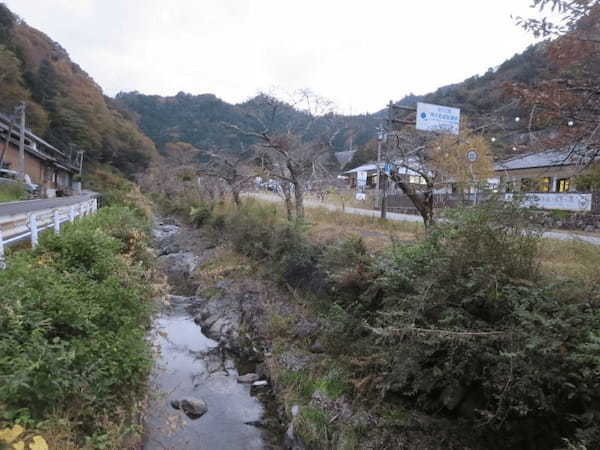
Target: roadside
{"points": [[556, 235]]}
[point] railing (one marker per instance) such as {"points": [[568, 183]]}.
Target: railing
{"points": [[20, 227]]}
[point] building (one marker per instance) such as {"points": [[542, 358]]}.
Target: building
{"points": [[48, 167], [542, 172]]}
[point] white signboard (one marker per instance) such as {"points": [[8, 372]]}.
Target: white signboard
{"points": [[441, 119], [569, 202], [361, 179]]}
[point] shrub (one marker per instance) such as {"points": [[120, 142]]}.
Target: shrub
{"points": [[200, 215], [467, 326], [73, 321]]}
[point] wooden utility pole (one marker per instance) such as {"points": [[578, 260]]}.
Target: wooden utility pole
{"points": [[21, 109]]}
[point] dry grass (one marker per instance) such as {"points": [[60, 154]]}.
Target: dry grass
{"points": [[376, 233], [571, 259], [326, 225]]}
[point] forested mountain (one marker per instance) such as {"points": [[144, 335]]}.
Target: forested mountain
{"points": [[64, 104], [202, 120], [199, 119]]}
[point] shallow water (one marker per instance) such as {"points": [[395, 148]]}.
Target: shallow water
{"points": [[181, 370]]}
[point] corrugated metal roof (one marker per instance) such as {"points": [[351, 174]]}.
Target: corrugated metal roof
{"points": [[373, 167], [548, 158]]}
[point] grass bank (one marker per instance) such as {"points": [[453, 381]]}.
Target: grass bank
{"points": [[12, 192], [73, 319]]}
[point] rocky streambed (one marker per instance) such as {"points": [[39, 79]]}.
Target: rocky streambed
{"points": [[206, 393]]}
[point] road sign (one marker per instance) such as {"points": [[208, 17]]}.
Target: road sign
{"points": [[441, 119], [472, 156]]}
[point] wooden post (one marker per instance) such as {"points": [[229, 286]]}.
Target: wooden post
{"points": [[2, 259], [56, 222], [71, 214], [34, 230], [384, 195]]}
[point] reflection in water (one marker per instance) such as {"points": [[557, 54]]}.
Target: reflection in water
{"points": [[181, 371]]}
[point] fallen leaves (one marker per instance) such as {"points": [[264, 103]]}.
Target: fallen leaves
{"points": [[8, 436]]}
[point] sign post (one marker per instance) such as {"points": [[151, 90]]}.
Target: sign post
{"points": [[472, 157], [437, 118]]}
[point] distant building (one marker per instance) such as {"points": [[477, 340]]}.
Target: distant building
{"points": [[47, 166], [542, 172]]}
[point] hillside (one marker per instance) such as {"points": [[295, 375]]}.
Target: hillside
{"points": [[200, 120], [64, 104]]}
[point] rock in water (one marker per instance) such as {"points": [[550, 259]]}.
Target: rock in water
{"points": [[317, 347], [248, 378], [192, 407]]}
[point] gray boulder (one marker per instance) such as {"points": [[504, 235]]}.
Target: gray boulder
{"points": [[192, 407], [248, 378]]}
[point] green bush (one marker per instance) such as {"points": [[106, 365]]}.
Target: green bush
{"points": [[467, 326], [73, 321], [200, 215]]}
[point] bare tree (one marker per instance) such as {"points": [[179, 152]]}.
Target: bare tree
{"points": [[234, 170], [296, 147]]}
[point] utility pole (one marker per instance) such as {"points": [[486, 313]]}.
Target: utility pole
{"points": [[380, 174], [21, 110], [80, 162]]}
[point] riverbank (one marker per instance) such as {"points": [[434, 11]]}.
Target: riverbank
{"points": [[204, 391], [280, 339]]}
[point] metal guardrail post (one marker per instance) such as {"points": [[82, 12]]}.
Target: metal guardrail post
{"points": [[34, 230], [71, 214], [56, 222]]}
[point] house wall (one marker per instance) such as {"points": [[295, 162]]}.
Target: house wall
{"points": [[555, 173], [34, 167]]}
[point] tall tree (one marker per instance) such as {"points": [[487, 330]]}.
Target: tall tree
{"points": [[566, 104]]}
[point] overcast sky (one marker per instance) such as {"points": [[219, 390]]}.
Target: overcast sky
{"points": [[360, 54]]}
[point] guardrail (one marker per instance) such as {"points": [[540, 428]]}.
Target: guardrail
{"points": [[20, 227]]}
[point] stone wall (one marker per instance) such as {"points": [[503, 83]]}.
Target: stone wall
{"points": [[568, 221]]}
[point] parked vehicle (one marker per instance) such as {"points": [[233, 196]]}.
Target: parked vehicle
{"points": [[10, 176]]}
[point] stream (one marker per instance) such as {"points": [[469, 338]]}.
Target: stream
{"points": [[190, 365]]}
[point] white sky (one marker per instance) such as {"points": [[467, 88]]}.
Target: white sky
{"points": [[360, 54]]}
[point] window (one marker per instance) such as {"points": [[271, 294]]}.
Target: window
{"points": [[412, 179], [544, 184], [527, 185], [563, 185]]}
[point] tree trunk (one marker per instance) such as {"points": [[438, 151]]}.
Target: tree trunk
{"points": [[287, 197], [236, 197], [299, 198], [422, 201]]}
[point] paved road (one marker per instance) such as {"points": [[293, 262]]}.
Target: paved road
{"points": [[558, 235], [15, 208]]}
